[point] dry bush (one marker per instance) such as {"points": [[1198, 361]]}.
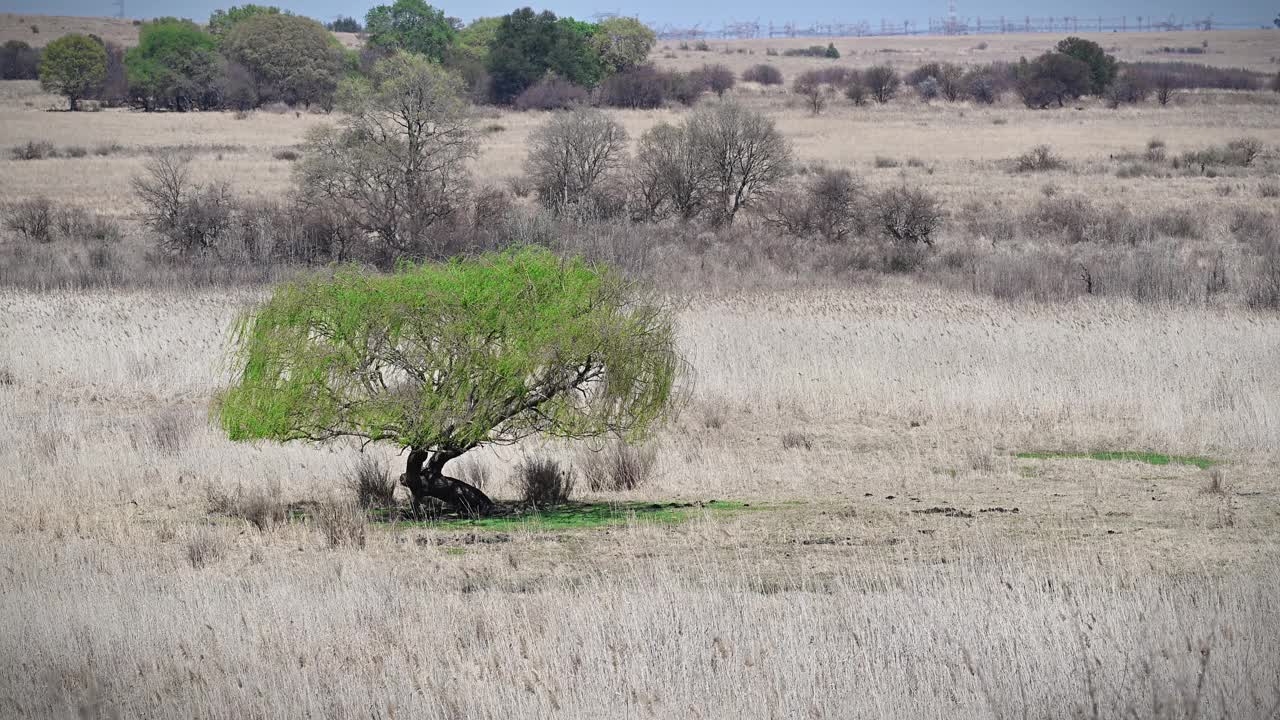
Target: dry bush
{"points": [[856, 91], [1262, 288], [1240, 152], [262, 506], [371, 483], [763, 74], [1156, 150], [168, 430], [343, 524], [1268, 189], [472, 471], [814, 92], [907, 215], [639, 88], [204, 547], [551, 93], [828, 206], [1194, 75], [882, 82], [32, 218], [1070, 217], [1038, 159], [617, 467], [796, 440], [541, 482], [928, 89], [34, 150], [717, 78]]}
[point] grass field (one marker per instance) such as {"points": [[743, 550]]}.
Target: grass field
{"points": [[883, 495]]}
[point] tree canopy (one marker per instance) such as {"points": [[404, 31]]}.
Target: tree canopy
{"points": [[411, 25], [1102, 67], [221, 21], [175, 65], [73, 66], [528, 45], [622, 43], [442, 357], [292, 59]]}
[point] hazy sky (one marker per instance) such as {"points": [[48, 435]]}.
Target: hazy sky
{"points": [[711, 13]]}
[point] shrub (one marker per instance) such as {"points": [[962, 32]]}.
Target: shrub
{"points": [[288, 155], [32, 218], [1128, 89], [371, 483], [1275, 83], [1269, 190], [617, 467], [542, 483], [717, 78], [796, 440], [551, 93], [343, 524], [817, 51], [684, 88], [1196, 75], [1071, 217], [642, 87], [856, 92], [814, 92], [928, 89], [204, 547], [763, 74], [883, 82], [34, 150], [828, 207], [1164, 84], [907, 215], [981, 86], [1038, 159], [1156, 150], [1262, 289], [1240, 152]]}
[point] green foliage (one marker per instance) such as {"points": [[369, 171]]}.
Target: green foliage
{"points": [[1102, 67], [584, 516], [73, 66], [410, 25], [452, 355], [1147, 457], [622, 43], [175, 65], [221, 21], [290, 58], [529, 45], [474, 40], [831, 52]]}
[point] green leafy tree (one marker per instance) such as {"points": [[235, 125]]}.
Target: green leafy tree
{"points": [[73, 66], [529, 45], [176, 65], [442, 358], [411, 25], [221, 21], [397, 163], [292, 59], [1102, 67], [474, 40], [622, 43]]}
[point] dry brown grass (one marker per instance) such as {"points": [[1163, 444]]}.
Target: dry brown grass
{"points": [[897, 559]]}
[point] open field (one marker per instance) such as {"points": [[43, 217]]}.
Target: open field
{"points": [[971, 489]]}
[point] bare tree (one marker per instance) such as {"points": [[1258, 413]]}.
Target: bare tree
{"points": [[828, 206], [740, 153], [573, 154], [1165, 84], [814, 92], [883, 82], [907, 215], [188, 218], [397, 164], [667, 176]]}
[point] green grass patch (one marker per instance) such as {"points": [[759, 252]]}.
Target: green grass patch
{"points": [[578, 516], [1132, 456]]}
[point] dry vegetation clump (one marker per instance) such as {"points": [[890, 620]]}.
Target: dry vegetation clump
{"points": [[1038, 159], [763, 73], [371, 483], [542, 482], [262, 506], [204, 547], [342, 523], [617, 467]]}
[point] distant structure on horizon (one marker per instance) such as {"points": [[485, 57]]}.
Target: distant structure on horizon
{"points": [[952, 24]]}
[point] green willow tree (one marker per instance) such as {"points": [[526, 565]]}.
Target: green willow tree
{"points": [[441, 358]]}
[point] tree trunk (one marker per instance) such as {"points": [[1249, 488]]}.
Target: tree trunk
{"points": [[425, 478]]}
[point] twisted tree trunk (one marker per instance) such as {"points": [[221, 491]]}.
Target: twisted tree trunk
{"points": [[425, 478]]}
